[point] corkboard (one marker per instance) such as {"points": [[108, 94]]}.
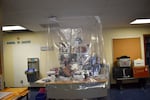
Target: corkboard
{"points": [[126, 47]]}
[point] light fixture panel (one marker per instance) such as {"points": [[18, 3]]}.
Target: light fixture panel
{"points": [[12, 28], [141, 21]]}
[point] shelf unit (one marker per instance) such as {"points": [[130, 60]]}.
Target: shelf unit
{"points": [[147, 49]]}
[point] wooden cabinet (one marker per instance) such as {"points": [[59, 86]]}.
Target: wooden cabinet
{"points": [[141, 72]]}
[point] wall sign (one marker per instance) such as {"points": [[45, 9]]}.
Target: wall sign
{"points": [[18, 42]]}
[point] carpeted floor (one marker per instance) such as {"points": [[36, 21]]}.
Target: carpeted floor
{"points": [[130, 94]]}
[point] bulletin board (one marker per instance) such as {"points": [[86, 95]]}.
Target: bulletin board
{"points": [[126, 47]]}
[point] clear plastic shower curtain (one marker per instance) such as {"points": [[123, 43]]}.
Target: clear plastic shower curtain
{"points": [[76, 47], [76, 58]]}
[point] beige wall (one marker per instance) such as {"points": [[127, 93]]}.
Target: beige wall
{"points": [[1, 57], [15, 56], [111, 34], [0, 36]]}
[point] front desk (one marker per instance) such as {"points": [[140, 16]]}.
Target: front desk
{"points": [[91, 88]]}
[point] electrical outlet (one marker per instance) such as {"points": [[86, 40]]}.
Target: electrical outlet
{"points": [[21, 81]]}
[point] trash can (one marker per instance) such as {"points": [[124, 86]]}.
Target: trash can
{"points": [[40, 96], [42, 90], [32, 75]]}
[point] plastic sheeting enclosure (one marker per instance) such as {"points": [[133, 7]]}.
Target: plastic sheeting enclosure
{"points": [[77, 55]]}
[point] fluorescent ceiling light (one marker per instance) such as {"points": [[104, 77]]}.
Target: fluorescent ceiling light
{"points": [[12, 28], [93, 38], [140, 21]]}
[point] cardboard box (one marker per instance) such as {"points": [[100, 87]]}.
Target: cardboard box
{"points": [[141, 72], [139, 62]]}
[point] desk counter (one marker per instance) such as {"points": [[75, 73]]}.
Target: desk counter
{"points": [[14, 93], [90, 88]]}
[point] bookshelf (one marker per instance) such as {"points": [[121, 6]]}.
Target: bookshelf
{"points": [[147, 49]]}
